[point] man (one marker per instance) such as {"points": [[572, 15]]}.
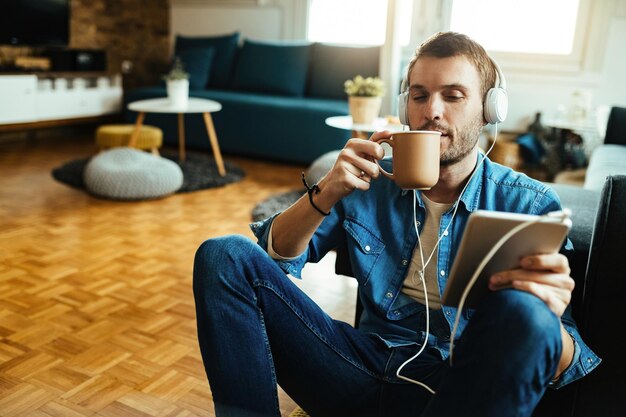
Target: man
{"points": [[257, 329]]}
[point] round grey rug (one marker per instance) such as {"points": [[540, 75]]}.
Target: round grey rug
{"points": [[280, 202], [199, 172], [275, 203]]}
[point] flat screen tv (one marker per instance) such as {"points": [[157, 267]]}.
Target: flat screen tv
{"points": [[35, 22]]}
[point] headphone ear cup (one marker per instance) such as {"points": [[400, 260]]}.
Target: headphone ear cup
{"points": [[496, 105], [402, 107]]}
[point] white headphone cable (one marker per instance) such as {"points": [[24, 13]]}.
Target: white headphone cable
{"points": [[424, 264], [419, 352], [478, 271], [423, 281], [456, 206]]}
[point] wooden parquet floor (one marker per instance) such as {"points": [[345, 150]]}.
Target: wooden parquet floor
{"points": [[96, 308]]}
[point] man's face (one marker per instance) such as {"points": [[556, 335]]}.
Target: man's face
{"points": [[445, 95]]}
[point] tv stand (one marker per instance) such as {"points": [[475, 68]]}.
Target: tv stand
{"points": [[54, 96]]}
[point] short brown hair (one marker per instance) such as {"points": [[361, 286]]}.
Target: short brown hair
{"points": [[449, 44]]}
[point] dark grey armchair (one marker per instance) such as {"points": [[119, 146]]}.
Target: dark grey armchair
{"points": [[598, 302]]}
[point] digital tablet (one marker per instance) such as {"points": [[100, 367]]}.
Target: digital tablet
{"points": [[482, 232]]}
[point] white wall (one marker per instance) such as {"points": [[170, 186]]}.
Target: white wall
{"points": [[602, 75], [193, 18], [255, 19], [612, 89]]}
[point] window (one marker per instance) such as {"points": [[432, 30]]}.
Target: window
{"points": [[529, 26], [356, 22], [360, 22], [543, 36]]}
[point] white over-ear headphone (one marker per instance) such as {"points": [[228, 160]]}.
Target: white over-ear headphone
{"points": [[495, 106]]}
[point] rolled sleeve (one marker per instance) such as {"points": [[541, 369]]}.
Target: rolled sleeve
{"points": [[261, 231], [584, 360]]}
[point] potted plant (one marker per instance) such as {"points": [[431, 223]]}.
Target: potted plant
{"points": [[364, 98], [177, 84]]}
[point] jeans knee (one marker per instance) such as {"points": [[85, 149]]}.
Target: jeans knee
{"points": [[220, 257], [526, 315]]}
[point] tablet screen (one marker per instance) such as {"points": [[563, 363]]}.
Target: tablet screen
{"points": [[484, 229]]}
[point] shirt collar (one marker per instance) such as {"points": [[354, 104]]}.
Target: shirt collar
{"points": [[471, 195]]}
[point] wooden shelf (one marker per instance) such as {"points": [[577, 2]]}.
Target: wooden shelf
{"points": [[34, 100]]}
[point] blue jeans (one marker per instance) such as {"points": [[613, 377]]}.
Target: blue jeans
{"points": [[257, 329]]}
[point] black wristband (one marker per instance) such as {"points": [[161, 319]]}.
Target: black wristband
{"points": [[310, 190]]}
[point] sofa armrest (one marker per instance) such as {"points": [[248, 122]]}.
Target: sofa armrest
{"points": [[601, 302], [601, 392]]}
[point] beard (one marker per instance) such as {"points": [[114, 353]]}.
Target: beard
{"points": [[461, 144]]}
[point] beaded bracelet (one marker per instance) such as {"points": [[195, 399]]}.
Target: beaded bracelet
{"points": [[310, 190]]}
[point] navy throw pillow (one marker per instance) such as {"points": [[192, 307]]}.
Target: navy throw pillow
{"points": [[225, 48], [332, 65], [278, 68], [197, 63]]}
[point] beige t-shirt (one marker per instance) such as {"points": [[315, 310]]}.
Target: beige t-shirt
{"points": [[428, 237]]}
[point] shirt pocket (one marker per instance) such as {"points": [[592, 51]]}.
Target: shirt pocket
{"points": [[364, 248]]}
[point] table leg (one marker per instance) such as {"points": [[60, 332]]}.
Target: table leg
{"points": [[181, 137], [208, 122], [135, 135]]}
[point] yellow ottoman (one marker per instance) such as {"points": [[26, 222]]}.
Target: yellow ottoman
{"points": [[111, 136], [298, 412]]}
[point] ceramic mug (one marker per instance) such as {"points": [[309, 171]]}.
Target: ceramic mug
{"points": [[415, 159]]}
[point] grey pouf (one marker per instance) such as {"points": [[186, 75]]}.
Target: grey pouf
{"points": [[320, 167], [131, 174]]}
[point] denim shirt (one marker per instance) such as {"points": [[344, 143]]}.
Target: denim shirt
{"points": [[377, 228]]}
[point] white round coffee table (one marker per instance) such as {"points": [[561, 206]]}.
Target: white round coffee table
{"points": [[195, 105], [362, 130]]}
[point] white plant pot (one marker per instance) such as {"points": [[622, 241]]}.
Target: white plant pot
{"points": [[178, 92], [364, 110]]}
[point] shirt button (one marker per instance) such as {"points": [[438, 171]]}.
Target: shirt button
{"points": [[590, 360], [448, 313], [445, 233], [405, 262], [396, 313], [367, 248], [442, 272], [389, 294], [417, 223]]}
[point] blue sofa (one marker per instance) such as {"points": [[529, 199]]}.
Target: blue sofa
{"points": [[275, 96]]}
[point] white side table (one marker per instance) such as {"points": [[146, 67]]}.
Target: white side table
{"points": [[195, 105], [362, 130]]}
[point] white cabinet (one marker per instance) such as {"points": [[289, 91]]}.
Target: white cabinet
{"points": [[17, 98], [31, 98]]}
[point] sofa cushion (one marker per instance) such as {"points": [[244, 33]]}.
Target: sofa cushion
{"points": [[332, 65], [224, 57], [197, 62], [279, 68], [605, 160]]}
